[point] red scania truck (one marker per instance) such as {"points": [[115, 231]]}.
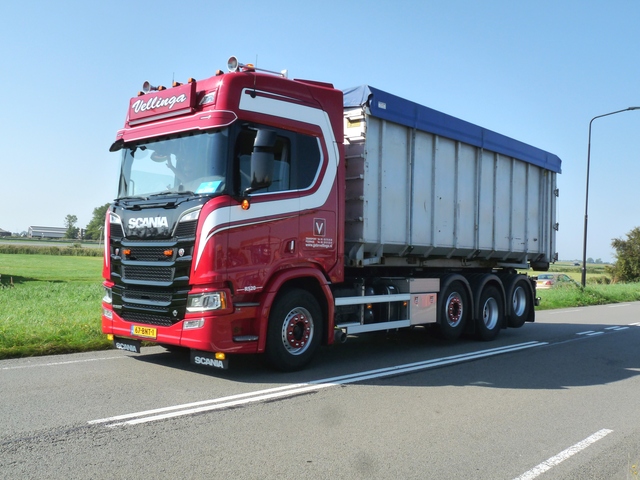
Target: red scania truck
{"points": [[257, 213]]}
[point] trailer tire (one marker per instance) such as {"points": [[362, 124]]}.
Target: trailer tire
{"points": [[519, 301], [294, 330], [490, 313], [453, 310]]}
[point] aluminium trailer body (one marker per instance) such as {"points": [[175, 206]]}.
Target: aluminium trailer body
{"points": [[427, 186]]}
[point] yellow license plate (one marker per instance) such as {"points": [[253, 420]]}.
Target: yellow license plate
{"points": [[146, 332]]}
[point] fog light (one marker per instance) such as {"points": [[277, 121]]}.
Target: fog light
{"points": [[193, 324], [107, 313]]}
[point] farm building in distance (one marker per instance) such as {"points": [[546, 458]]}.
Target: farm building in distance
{"points": [[46, 232], [4, 233]]}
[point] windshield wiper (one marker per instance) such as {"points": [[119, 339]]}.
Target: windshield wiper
{"points": [[172, 192], [133, 197]]}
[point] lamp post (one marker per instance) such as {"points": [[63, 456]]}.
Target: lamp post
{"points": [[586, 202]]}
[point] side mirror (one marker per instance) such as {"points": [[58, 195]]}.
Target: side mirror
{"points": [[262, 160]]}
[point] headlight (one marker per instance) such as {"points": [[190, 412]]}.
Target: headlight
{"points": [[107, 295], [206, 301], [190, 215]]}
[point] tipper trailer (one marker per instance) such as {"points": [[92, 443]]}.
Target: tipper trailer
{"points": [[256, 213]]}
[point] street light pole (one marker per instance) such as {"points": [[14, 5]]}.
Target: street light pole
{"points": [[586, 202]]}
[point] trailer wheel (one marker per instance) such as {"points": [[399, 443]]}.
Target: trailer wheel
{"points": [[520, 301], [294, 330], [491, 313], [453, 310]]}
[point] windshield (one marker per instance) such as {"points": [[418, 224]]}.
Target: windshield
{"points": [[194, 163]]}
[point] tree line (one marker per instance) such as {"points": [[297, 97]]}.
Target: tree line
{"points": [[93, 230]]}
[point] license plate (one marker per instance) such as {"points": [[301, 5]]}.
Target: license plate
{"points": [[146, 332]]}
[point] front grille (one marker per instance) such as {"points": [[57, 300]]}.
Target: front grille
{"points": [[186, 229], [148, 318], [150, 274], [116, 230], [133, 295], [149, 254]]}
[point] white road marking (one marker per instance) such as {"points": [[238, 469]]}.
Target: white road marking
{"points": [[300, 388], [562, 456], [54, 364]]}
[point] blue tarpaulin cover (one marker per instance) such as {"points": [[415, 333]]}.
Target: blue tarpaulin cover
{"points": [[395, 109]]}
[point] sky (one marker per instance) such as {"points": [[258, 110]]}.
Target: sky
{"points": [[534, 70]]}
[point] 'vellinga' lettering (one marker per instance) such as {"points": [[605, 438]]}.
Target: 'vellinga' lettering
{"points": [[157, 102]]}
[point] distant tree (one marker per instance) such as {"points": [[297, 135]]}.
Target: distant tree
{"points": [[589, 260], [598, 260], [627, 265], [70, 224], [96, 224]]}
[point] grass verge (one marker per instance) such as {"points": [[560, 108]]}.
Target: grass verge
{"points": [[568, 296], [50, 304]]}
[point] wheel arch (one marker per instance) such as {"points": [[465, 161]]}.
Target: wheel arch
{"points": [[309, 279]]}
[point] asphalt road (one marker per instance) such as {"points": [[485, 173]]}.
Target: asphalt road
{"points": [[557, 399]]}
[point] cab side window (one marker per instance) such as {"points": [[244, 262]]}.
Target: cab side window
{"points": [[296, 160]]}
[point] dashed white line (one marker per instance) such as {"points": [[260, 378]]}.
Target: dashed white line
{"points": [[54, 364], [562, 456], [301, 388]]}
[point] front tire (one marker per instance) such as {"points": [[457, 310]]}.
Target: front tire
{"points": [[294, 330]]}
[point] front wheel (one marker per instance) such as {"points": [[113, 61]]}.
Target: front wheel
{"points": [[294, 331]]}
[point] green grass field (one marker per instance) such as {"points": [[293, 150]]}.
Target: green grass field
{"points": [[52, 304]]}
